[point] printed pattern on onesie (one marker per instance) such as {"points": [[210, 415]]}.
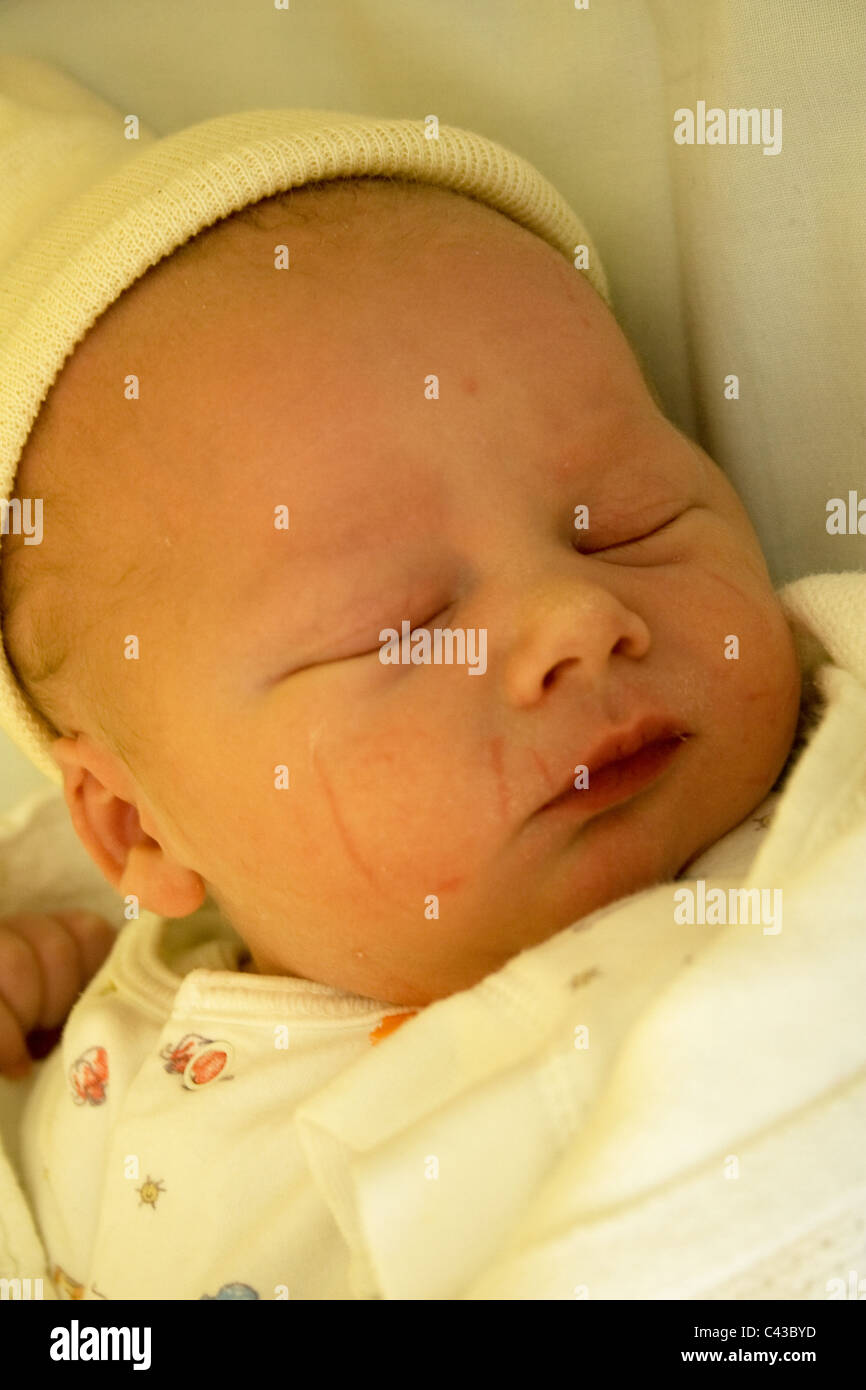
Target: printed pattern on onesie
{"points": [[162, 1157], [734, 852]]}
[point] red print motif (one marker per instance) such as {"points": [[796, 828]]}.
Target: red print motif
{"points": [[205, 1066], [88, 1077], [199, 1060], [178, 1054]]}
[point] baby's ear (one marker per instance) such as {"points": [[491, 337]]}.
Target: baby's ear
{"points": [[103, 804], [105, 821]]}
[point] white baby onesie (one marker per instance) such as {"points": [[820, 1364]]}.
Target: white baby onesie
{"points": [[159, 1148]]}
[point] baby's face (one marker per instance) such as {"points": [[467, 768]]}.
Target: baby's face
{"points": [[413, 851]]}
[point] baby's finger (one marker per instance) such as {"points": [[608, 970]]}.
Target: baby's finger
{"points": [[21, 984], [94, 935], [60, 966], [14, 1057]]}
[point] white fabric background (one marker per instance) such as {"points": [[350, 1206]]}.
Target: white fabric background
{"points": [[721, 259]]}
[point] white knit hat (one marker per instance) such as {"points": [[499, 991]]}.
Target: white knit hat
{"points": [[85, 211]]}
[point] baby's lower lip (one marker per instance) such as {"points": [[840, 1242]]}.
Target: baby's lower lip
{"points": [[617, 781]]}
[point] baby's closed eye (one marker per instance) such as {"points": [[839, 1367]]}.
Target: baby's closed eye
{"points": [[635, 534]]}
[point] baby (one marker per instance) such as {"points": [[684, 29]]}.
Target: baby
{"points": [[456, 435], [432, 429]]}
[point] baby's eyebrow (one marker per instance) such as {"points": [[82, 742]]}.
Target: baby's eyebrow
{"points": [[302, 553], [609, 440], [352, 525], [331, 595], [298, 597]]}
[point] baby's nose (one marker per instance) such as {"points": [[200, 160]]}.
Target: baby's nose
{"points": [[574, 627]]}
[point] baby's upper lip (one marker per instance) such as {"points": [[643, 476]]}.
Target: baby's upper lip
{"points": [[624, 743]]}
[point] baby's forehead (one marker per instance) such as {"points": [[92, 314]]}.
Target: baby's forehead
{"points": [[250, 383]]}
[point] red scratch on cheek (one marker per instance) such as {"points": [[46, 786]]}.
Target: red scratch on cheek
{"points": [[497, 746], [545, 771], [351, 847], [450, 885]]}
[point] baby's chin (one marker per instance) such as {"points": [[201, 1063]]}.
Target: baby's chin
{"points": [[628, 851]]}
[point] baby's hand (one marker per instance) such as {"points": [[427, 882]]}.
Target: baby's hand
{"points": [[46, 959]]}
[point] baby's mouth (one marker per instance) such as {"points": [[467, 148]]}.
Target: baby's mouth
{"points": [[621, 767]]}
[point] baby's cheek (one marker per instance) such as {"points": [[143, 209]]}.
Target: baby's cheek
{"points": [[736, 619], [392, 818], [763, 701], [420, 813], [772, 671]]}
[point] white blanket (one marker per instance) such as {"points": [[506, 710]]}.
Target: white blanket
{"points": [[711, 1140]]}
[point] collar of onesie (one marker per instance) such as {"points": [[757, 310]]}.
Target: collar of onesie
{"points": [[192, 966]]}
